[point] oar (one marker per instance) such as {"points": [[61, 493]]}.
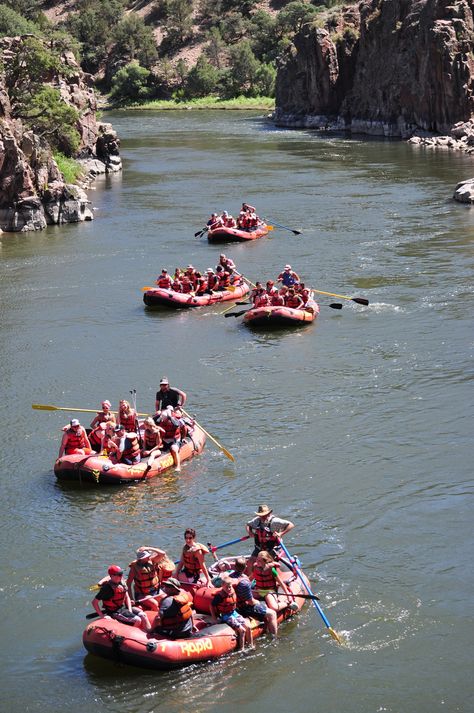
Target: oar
{"points": [[214, 548], [300, 576], [285, 227], [92, 615], [219, 445], [201, 232], [359, 300], [245, 278], [297, 596], [49, 407], [236, 314], [232, 307]]}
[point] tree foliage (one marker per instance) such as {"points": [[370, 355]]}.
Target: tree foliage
{"points": [[130, 84], [13, 23], [202, 79], [134, 40], [92, 25], [178, 21], [48, 115]]}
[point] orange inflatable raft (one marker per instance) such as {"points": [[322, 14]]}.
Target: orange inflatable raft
{"points": [[111, 639], [158, 296], [222, 234], [280, 316], [102, 471]]}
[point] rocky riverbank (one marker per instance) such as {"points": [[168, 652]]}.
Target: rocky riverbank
{"points": [[33, 192]]}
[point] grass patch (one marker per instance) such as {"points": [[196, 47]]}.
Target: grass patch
{"points": [[239, 103], [71, 169]]}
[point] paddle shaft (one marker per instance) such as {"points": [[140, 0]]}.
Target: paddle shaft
{"points": [[49, 407], [227, 544], [285, 227], [359, 300], [219, 445], [302, 579]]}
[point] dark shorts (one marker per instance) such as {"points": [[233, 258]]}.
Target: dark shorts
{"points": [[270, 549], [256, 611], [127, 616]]}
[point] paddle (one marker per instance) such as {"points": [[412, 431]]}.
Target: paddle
{"points": [[359, 300], [219, 445], [201, 232], [232, 307], [299, 574], [226, 544], [299, 596], [49, 407], [285, 227], [245, 278], [92, 615], [236, 314]]}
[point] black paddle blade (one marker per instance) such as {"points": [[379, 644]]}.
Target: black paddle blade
{"points": [[360, 301], [236, 314], [336, 305], [242, 303], [296, 232], [92, 615]]}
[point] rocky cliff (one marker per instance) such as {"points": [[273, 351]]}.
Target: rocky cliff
{"points": [[33, 192], [385, 67]]}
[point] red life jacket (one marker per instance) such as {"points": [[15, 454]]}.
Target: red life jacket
{"points": [[277, 300], [201, 286], [172, 432], [224, 279], [164, 281], [266, 538], [132, 448], [144, 578], [186, 287], [150, 440], [262, 300], [191, 562], [105, 417], [95, 438], [183, 613], [128, 422], [294, 301], [212, 281], [116, 601], [176, 286], [264, 577], [228, 603], [75, 440]]}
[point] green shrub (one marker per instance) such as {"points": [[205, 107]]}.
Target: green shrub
{"points": [[71, 169], [130, 84]]}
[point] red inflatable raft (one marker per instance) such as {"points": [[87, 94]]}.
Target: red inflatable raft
{"points": [[102, 471], [222, 234], [281, 316], [158, 296], [111, 639]]}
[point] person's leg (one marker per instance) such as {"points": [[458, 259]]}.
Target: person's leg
{"points": [[272, 622], [175, 453]]}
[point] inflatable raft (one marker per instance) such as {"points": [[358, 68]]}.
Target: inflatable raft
{"points": [[281, 316], [111, 639], [221, 235], [158, 296], [102, 471]]}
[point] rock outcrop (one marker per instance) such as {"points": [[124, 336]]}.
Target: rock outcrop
{"points": [[383, 67], [33, 192]]}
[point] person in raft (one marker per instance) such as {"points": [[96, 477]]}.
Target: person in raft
{"points": [[110, 443], [143, 581], [266, 573], [288, 277], [247, 605], [128, 446], [228, 220], [191, 567], [172, 426], [167, 396], [266, 529], [175, 616], [104, 416], [116, 602], [152, 441], [214, 222], [127, 416], [223, 609], [74, 440]]}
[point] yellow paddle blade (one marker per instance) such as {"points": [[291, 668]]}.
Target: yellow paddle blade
{"points": [[335, 635], [270, 227], [94, 588], [147, 287]]}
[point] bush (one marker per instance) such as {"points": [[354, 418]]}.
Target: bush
{"points": [[202, 79], [70, 168], [51, 118], [135, 41], [12, 23], [130, 84]]}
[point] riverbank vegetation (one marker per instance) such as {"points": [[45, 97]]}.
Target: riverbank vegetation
{"points": [[180, 51]]}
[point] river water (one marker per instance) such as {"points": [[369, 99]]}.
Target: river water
{"points": [[358, 427]]}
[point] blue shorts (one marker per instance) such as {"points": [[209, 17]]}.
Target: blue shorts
{"points": [[234, 620], [257, 611]]}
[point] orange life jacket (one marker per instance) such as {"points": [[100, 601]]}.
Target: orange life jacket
{"points": [[172, 432], [186, 287], [145, 578], [150, 439], [128, 422], [182, 613], [277, 300], [262, 300], [224, 279], [293, 301], [212, 281], [116, 601], [95, 438], [191, 562], [132, 448], [228, 603], [176, 286], [264, 577], [75, 440]]}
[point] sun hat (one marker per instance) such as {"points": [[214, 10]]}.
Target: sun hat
{"points": [[143, 554], [74, 422], [287, 267], [263, 510], [172, 583], [164, 380]]}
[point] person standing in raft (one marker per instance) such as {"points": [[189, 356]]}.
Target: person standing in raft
{"points": [[143, 581], [175, 616], [288, 277], [74, 440], [223, 609], [191, 567], [167, 396], [116, 601], [266, 529]]}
